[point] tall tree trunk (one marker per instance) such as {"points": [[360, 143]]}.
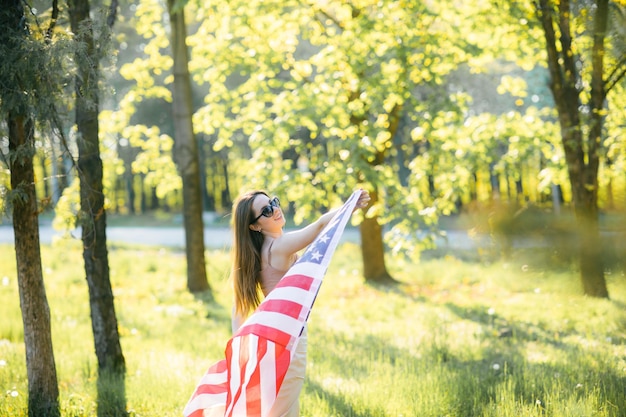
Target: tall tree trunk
{"points": [[494, 181], [93, 216], [208, 202], [372, 249], [582, 156], [592, 260], [226, 200], [55, 184], [127, 154], [43, 390], [186, 154]]}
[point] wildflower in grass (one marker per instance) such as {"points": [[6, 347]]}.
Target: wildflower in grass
{"points": [[3, 362], [491, 311], [524, 268], [579, 386], [5, 281], [495, 366], [537, 290]]}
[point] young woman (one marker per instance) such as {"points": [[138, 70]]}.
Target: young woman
{"points": [[262, 254]]}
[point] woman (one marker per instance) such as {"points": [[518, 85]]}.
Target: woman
{"points": [[262, 255]]}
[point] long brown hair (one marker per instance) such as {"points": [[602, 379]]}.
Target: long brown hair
{"points": [[247, 245]]}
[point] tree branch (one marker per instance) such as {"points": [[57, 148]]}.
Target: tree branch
{"points": [[545, 16], [598, 91], [569, 61], [616, 75], [317, 9], [112, 13], [53, 20]]}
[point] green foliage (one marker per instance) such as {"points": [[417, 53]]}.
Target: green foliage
{"points": [[36, 82], [454, 338], [617, 26], [133, 124], [581, 18], [312, 101], [67, 208], [319, 91], [24, 152], [33, 72], [16, 197], [155, 159]]}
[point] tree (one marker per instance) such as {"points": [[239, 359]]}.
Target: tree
{"points": [[582, 74], [111, 361], [186, 151], [22, 85], [329, 84], [165, 51]]}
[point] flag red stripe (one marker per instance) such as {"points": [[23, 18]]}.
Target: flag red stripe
{"points": [[279, 337], [219, 367], [283, 359], [286, 307], [234, 356], [196, 413], [253, 389], [211, 389], [297, 280]]}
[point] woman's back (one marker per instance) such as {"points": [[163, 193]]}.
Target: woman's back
{"points": [[269, 274]]}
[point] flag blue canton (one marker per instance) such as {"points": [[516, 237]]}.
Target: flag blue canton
{"points": [[316, 252]]}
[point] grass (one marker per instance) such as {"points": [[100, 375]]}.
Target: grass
{"points": [[454, 338]]}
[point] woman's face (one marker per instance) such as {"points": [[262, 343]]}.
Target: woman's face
{"points": [[267, 213]]}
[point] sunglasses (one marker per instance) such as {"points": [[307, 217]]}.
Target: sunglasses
{"points": [[268, 211]]}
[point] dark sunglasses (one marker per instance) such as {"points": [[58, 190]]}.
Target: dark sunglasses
{"points": [[268, 211]]}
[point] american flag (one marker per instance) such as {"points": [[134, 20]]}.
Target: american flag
{"points": [[247, 381]]}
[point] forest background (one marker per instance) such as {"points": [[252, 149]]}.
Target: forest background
{"points": [[507, 118]]}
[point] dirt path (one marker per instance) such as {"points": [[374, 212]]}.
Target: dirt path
{"points": [[214, 237]]}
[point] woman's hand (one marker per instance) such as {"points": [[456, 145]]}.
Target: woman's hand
{"points": [[364, 200], [291, 242]]}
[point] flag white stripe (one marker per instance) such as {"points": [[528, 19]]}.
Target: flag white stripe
{"points": [[287, 293], [267, 367], [214, 379], [278, 321], [311, 270], [251, 365], [204, 402], [235, 371]]}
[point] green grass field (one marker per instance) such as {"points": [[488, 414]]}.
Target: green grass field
{"points": [[454, 338]]}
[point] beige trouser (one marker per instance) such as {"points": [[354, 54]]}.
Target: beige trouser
{"points": [[287, 403]]}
